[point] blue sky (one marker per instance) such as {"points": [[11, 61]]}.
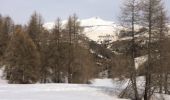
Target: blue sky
{"points": [[20, 10]]}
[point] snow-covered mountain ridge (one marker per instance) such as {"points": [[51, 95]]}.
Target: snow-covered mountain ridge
{"points": [[98, 29], [95, 28]]}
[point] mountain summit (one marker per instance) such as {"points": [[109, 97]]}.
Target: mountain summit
{"points": [[95, 28]]}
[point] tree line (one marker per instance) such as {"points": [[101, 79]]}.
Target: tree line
{"points": [[34, 54]]}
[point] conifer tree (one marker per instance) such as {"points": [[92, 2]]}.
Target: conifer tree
{"points": [[45, 51], [35, 27], [151, 19], [73, 29], [6, 28], [55, 48], [22, 59], [130, 17]]}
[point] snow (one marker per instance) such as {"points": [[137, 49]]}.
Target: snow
{"points": [[100, 89], [99, 33], [111, 86], [2, 80], [140, 60], [157, 96], [49, 25], [95, 21], [95, 28], [53, 92], [102, 82], [57, 91]]}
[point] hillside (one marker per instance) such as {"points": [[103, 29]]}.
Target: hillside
{"points": [[95, 28]]}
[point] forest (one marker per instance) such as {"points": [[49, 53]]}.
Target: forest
{"points": [[31, 53]]}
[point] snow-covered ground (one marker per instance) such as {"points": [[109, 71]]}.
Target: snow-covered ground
{"points": [[157, 96], [100, 89], [96, 91], [52, 92]]}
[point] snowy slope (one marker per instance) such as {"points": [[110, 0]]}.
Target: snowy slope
{"points": [[95, 21], [95, 28]]}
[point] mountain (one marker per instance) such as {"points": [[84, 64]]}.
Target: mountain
{"points": [[96, 29]]}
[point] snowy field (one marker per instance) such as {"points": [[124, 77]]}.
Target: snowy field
{"points": [[100, 89], [54, 92]]}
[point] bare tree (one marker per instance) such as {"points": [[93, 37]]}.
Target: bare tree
{"points": [[45, 56], [35, 27], [150, 19], [56, 35], [6, 28], [73, 28], [69, 28], [162, 28], [130, 17]]}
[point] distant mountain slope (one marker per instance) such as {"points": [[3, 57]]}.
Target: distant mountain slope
{"points": [[95, 29]]}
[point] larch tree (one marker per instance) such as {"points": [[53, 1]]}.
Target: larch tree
{"points": [[129, 18], [22, 59], [162, 69], [151, 18], [35, 27], [69, 28], [6, 28], [55, 48], [45, 56], [73, 29], [162, 31], [166, 70]]}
